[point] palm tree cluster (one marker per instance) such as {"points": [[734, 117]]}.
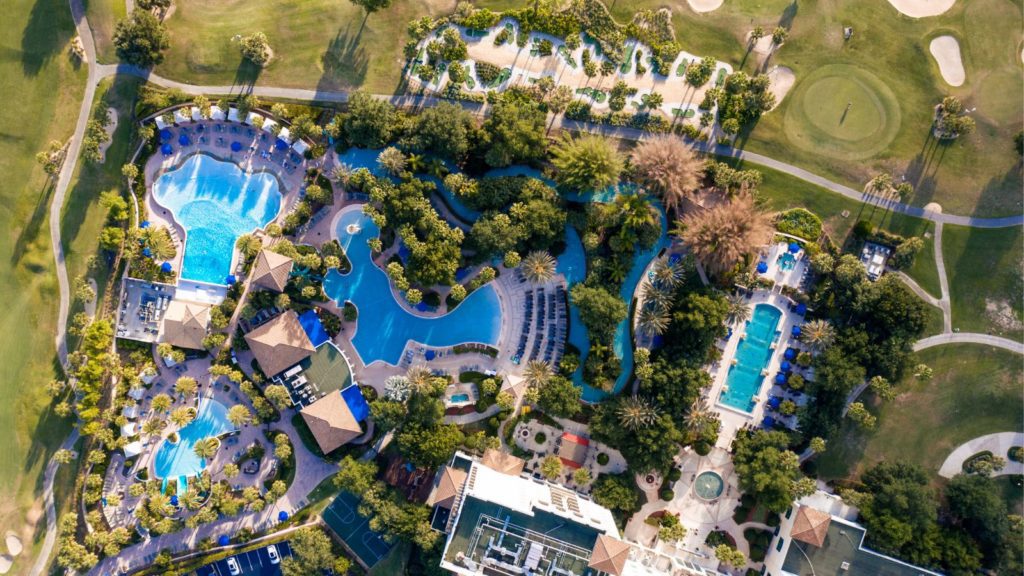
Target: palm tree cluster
{"points": [[636, 412], [654, 315], [723, 235], [539, 266], [668, 168]]}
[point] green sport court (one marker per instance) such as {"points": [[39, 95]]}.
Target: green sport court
{"points": [[343, 518]]}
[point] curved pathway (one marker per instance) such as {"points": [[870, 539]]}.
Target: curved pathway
{"points": [[998, 444], [969, 338]]}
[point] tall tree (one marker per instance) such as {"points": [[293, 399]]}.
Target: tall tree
{"points": [[371, 6], [140, 39], [588, 162], [515, 133], [723, 235], [666, 166], [766, 468]]}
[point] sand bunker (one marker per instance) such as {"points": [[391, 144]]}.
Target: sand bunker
{"points": [[5, 564], [946, 51], [922, 8], [14, 546], [782, 79], [704, 5]]}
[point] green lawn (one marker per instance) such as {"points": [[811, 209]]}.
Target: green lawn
{"points": [[42, 91], [103, 15], [984, 268], [975, 391]]}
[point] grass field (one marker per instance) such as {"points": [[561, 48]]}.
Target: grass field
{"points": [[42, 90], [103, 15], [984, 268], [975, 391]]}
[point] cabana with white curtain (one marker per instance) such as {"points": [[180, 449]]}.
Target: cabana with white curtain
{"points": [[197, 114], [180, 117], [300, 146], [233, 115], [133, 449], [216, 113], [160, 124], [251, 119], [285, 134], [269, 124]]}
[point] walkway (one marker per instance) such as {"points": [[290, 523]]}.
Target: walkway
{"points": [[969, 338], [998, 444]]}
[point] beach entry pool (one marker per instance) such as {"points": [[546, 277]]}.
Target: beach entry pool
{"points": [[384, 326], [752, 355], [215, 202], [178, 460]]}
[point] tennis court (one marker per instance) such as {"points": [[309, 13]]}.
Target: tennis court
{"points": [[341, 516]]}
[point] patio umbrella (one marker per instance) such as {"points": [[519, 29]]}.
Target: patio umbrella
{"points": [[801, 308], [282, 516], [796, 332], [230, 279], [165, 135], [223, 540], [183, 140], [144, 224], [780, 378], [762, 267], [430, 355], [774, 402], [786, 366], [174, 500], [768, 422], [236, 146], [794, 247], [166, 149], [200, 128], [790, 354], [281, 144], [166, 267], [147, 252]]}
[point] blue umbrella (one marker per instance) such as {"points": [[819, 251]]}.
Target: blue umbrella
{"points": [[166, 267], [223, 540], [165, 135], [281, 144], [796, 332], [794, 247], [282, 516], [147, 252], [183, 140], [801, 308], [790, 354], [786, 366], [768, 422], [230, 279], [774, 402], [200, 128], [174, 500], [762, 267], [780, 378], [144, 224], [430, 354], [166, 149], [236, 146]]}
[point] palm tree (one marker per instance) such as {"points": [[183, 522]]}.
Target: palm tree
{"points": [[635, 413], [739, 311], [186, 386], [249, 245], [539, 266], [152, 426], [666, 274], [722, 235], [160, 244], [206, 448], [652, 321], [392, 161], [880, 185], [181, 416], [818, 334], [668, 168], [160, 504], [537, 373], [239, 415], [636, 213], [419, 377], [160, 403], [190, 499], [698, 415], [397, 388], [589, 162], [657, 297]]}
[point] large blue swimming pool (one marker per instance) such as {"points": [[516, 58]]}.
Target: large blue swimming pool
{"points": [[752, 356], [384, 327], [215, 202], [176, 460]]}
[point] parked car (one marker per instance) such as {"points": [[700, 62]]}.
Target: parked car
{"points": [[233, 567], [275, 558]]}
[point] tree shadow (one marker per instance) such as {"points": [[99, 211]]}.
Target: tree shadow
{"points": [[345, 61], [31, 230], [49, 433], [42, 39], [998, 189], [246, 75], [788, 15]]}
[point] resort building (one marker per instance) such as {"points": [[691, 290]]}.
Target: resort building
{"points": [[271, 271], [820, 535], [333, 421], [279, 344], [506, 523], [185, 324]]}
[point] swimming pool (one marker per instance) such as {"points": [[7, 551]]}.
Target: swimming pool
{"points": [[752, 356], [459, 398], [786, 262], [384, 327], [176, 460], [215, 202]]}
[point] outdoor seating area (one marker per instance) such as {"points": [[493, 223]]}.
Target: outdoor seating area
{"points": [[874, 257], [786, 264], [545, 325], [142, 309]]}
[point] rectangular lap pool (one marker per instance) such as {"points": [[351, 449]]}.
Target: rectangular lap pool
{"points": [[752, 356]]}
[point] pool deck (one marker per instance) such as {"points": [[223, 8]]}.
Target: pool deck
{"points": [[249, 160], [732, 418]]}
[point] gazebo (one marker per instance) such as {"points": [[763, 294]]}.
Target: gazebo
{"points": [[609, 555], [810, 526]]}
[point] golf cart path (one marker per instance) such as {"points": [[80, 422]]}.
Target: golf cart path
{"points": [[998, 444]]}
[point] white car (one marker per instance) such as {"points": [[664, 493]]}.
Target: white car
{"points": [[275, 558], [233, 567]]}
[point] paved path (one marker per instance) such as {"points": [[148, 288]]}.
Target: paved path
{"points": [[969, 338], [998, 444]]}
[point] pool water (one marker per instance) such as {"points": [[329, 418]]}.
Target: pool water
{"points": [[752, 356], [175, 460], [215, 202], [787, 262], [456, 398], [708, 485], [384, 326]]}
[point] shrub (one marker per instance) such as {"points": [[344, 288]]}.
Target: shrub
{"points": [[487, 73], [702, 448], [540, 438], [602, 459], [667, 494], [674, 474], [503, 37], [1016, 454], [799, 222]]}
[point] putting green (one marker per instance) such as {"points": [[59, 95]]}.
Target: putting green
{"points": [[843, 112]]}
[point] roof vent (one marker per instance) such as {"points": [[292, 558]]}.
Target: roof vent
{"points": [[844, 566]]}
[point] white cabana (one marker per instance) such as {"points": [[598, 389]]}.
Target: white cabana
{"points": [[216, 113], [233, 115], [285, 134], [136, 393], [128, 430], [160, 124], [148, 375], [251, 119], [180, 117], [133, 449], [130, 412], [269, 124], [300, 146], [197, 114]]}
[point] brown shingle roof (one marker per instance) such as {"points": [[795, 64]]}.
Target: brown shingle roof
{"points": [[810, 526], [502, 462], [271, 270], [449, 483], [331, 422], [609, 555], [185, 324], [280, 343]]}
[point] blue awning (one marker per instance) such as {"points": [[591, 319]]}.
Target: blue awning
{"points": [[794, 247], [768, 422], [200, 128], [774, 402], [314, 329], [183, 140], [165, 135], [166, 267], [282, 516], [174, 500], [166, 149], [147, 252], [430, 355], [353, 397], [762, 267], [236, 146]]}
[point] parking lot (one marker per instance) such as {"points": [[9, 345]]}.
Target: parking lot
{"points": [[252, 563]]}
